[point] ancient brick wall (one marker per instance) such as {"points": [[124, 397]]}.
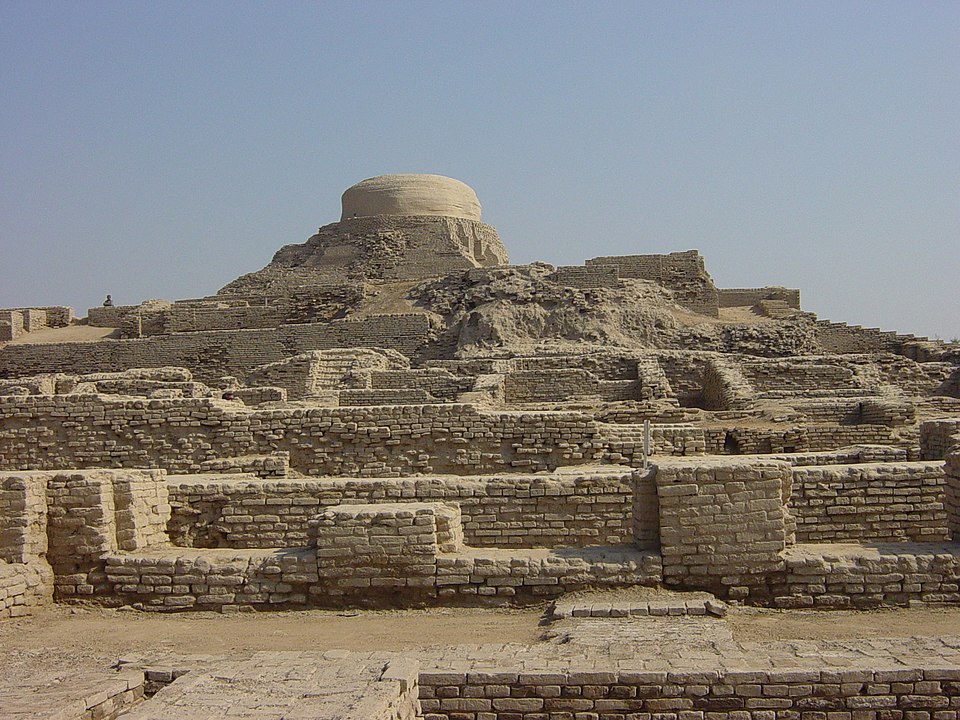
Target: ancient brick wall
{"points": [[723, 524], [681, 272], [809, 694], [22, 586], [738, 297], [865, 577], [885, 502], [549, 385], [112, 316], [388, 441], [608, 508], [778, 378], [213, 354], [586, 277], [938, 438]]}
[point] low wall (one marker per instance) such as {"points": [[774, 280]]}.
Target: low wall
{"points": [[585, 277], [884, 502], [840, 693], [111, 316], [528, 511], [386, 441], [547, 385], [213, 354], [837, 576], [738, 297], [723, 524], [73, 518], [22, 587]]}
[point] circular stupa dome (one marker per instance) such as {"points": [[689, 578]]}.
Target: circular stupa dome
{"points": [[410, 195]]}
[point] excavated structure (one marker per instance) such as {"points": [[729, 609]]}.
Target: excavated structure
{"points": [[391, 415]]}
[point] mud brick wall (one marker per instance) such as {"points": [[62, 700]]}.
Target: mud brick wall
{"points": [[952, 492], [180, 318], [95, 512], [791, 376], [841, 693], [624, 443], [636, 411], [213, 354], [23, 586], [746, 440], [938, 438], [179, 435], [411, 396], [515, 511], [180, 578], [738, 297], [879, 502], [682, 272], [438, 382], [211, 579], [546, 385], [23, 516], [684, 374], [831, 437], [113, 316], [870, 577], [725, 387], [387, 546], [585, 277], [11, 324], [723, 524]]}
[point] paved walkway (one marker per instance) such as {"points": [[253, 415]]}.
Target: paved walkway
{"points": [[288, 686]]}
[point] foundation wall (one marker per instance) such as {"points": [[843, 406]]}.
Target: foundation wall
{"points": [[842, 693], [211, 355], [385, 441], [882, 502], [738, 297], [853, 576], [22, 587], [517, 511], [723, 524]]}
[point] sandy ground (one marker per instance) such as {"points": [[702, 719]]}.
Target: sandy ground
{"points": [[71, 333], [64, 632]]}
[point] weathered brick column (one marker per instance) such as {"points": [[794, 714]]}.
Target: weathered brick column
{"points": [[723, 524]]}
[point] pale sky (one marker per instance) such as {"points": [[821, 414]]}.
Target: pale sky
{"points": [[161, 149]]}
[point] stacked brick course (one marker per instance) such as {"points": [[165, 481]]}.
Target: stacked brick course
{"points": [[873, 502], [894, 693], [515, 511]]}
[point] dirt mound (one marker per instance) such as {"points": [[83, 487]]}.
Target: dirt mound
{"points": [[522, 308]]}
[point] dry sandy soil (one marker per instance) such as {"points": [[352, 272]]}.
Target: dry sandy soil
{"points": [[71, 333], [64, 632]]}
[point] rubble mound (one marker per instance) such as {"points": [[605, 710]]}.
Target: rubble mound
{"points": [[522, 308]]}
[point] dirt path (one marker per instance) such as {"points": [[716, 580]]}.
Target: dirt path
{"points": [[96, 632], [93, 632]]}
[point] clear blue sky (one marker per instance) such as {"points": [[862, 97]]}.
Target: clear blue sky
{"points": [[161, 149]]}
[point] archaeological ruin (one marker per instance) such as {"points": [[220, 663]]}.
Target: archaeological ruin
{"points": [[390, 415]]}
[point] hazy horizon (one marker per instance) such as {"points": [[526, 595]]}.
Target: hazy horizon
{"points": [[160, 150]]}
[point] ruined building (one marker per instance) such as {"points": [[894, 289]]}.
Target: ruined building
{"points": [[374, 417]]}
